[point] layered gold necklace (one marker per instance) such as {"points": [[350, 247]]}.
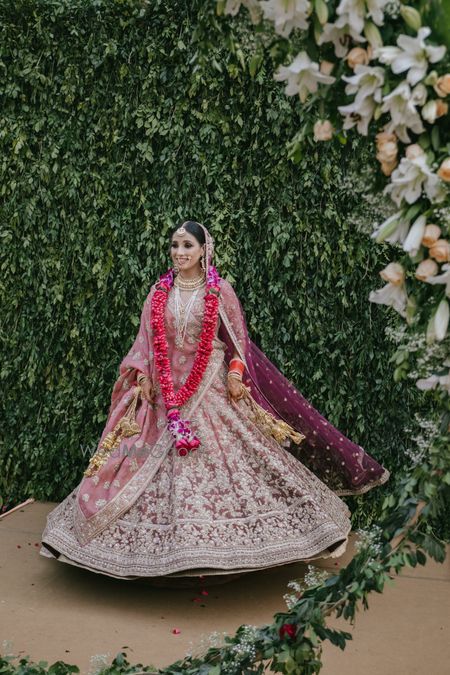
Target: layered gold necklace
{"points": [[182, 310], [189, 284]]}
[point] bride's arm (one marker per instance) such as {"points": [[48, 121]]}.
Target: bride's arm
{"points": [[234, 320]]}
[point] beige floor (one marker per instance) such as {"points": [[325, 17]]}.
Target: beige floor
{"points": [[50, 611]]}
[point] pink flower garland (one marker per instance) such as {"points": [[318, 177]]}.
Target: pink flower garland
{"points": [[185, 440]]}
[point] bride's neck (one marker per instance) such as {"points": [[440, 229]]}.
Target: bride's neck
{"points": [[188, 275]]}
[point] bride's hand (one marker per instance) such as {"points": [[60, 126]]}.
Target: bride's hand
{"points": [[235, 388], [147, 391]]}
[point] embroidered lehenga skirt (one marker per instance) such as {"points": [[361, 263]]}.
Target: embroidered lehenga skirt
{"points": [[240, 502]]}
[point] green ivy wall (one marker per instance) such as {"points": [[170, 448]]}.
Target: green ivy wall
{"points": [[113, 129]]}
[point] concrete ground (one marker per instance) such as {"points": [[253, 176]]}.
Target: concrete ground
{"points": [[53, 611]]}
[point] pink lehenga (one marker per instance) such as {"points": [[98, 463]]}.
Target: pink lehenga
{"points": [[242, 501]]}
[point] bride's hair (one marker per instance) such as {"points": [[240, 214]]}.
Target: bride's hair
{"points": [[193, 228]]}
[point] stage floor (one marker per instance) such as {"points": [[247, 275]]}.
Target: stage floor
{"points": [[53, 611]]}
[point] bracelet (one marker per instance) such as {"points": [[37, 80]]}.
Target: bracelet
{"points": [[236, 366], [233, 375], [141, 377]]}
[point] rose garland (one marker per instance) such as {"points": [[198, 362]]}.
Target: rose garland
{"points": [[184, 439]]}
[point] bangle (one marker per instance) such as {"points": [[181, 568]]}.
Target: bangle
{"points": [[233, 375], [141, 377], [236, 366]]}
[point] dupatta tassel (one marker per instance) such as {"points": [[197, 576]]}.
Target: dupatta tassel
{"points": [[268, 424], [125, 427]]}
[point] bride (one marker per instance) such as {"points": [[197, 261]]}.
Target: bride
{"points": [[211, 461]]}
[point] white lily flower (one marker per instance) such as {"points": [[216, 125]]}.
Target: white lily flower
{"points": [[394, 229], [434, 109], [366, 83], [302, 75], [431, 382], [438, 324], [412, 54], [427, 383], [410, 178], [339, 33], [442, 278], [419, 94], [360, 114], [356, 12], [233, 6], [401, 106], [393, 295], [287, 14], [415, 235]]}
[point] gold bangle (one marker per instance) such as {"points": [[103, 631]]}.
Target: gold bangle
{"points": [[232, 374]]}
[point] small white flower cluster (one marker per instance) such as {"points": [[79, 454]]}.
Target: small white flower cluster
{"points": [[396, 334], [371, 205], [98, 662], [292, 598], [423, 440], [412, 342], [242, 650], [369, 540], [206, 640], [313, 577], [430, 359]]}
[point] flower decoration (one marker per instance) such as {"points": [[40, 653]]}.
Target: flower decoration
{"points": [[303, 76], [411, 55], [288, 630], [184, 439], [287, 14]]}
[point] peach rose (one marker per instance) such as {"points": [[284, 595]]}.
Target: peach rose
{"points": [[414, 150], [431, 235], [326, 67], [387, 151], [356, 56], [388, 167], [444, 170], [323, 130], [427, 268], [394, 273], [440, 250], [441, 108], [442, 86], [384, 137]]}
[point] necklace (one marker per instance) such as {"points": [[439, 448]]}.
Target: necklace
{"points": [[182, 315], [189, 284]]}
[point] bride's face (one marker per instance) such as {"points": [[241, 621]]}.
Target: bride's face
{"points": [[186, 252]]}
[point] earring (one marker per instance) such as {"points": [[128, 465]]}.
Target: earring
{"points": [[202, 263]]}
